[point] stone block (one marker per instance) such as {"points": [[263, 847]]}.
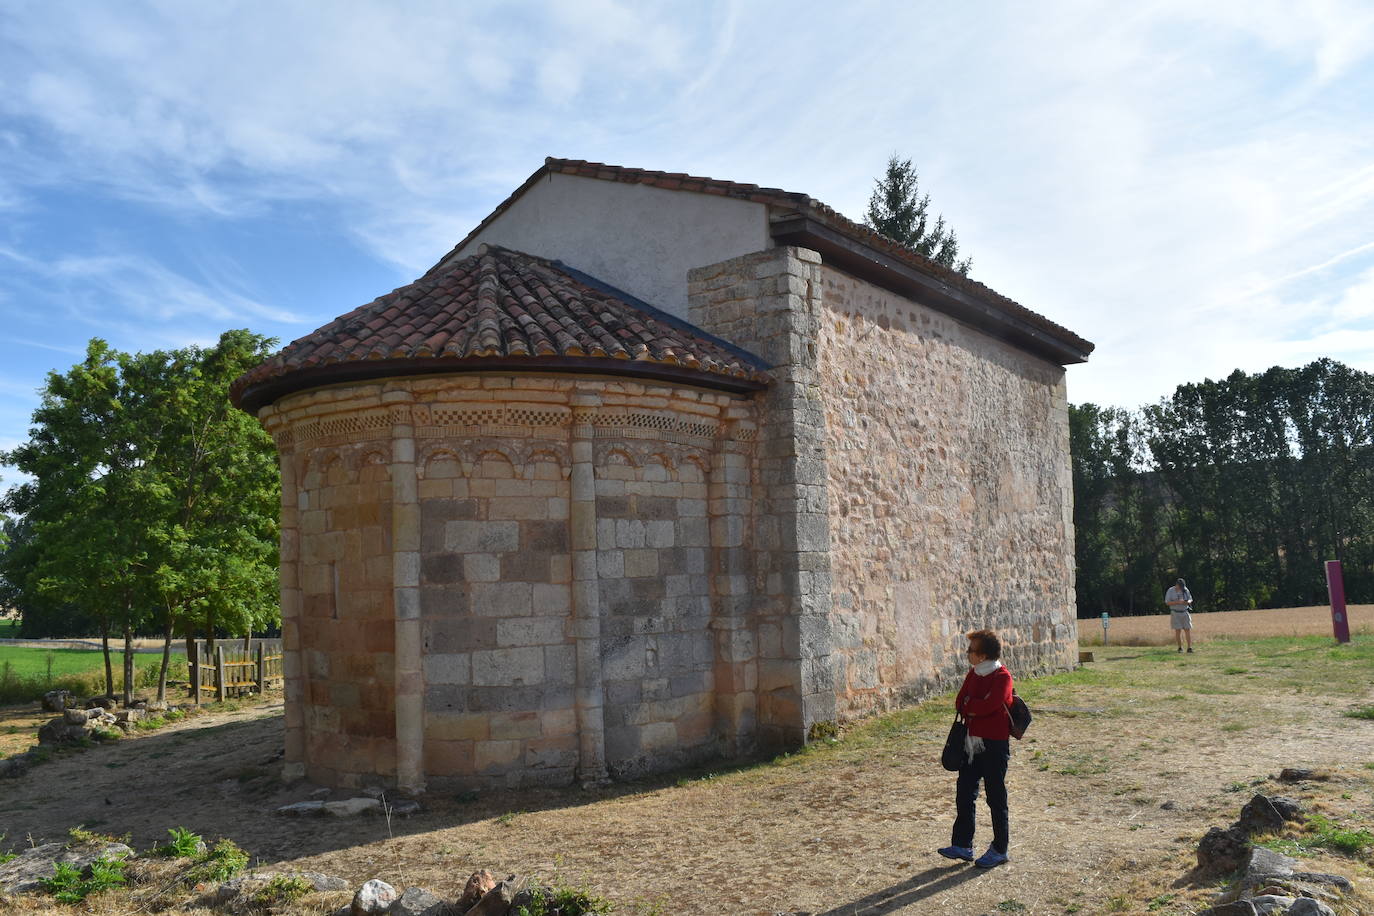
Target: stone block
{"points": [[551, 752], [548, 536], [640, 563], [508, 667], [560, 664], [557, 723], [550, 600], [480, 567], [482, 536], [442, 569], [448, 668], [489, 756], [522, 724], [530, 631], [501, 599], [610, 564]]}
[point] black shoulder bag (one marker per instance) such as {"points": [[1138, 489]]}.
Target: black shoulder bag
{"points": [[954, 754]]}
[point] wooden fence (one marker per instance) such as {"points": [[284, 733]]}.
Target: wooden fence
{"points": [[233, 669]]}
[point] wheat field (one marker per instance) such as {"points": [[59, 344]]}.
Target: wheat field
{"points": [[1153, 629]]}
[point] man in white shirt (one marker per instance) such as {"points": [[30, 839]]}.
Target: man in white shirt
{"points": [[1180, 601]]}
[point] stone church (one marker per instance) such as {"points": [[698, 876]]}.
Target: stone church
{"points": [[651, 469]]}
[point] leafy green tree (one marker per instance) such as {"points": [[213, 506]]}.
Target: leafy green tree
{"points": [[152, 502], [899, 211]]}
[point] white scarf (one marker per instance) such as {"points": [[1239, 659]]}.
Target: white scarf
{"points": [[974, 745]]}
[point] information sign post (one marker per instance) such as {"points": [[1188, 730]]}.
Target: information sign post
{"points": [[1104, 628], [1335, 587]]}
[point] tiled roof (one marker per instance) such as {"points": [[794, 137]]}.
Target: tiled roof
{"points": [[501, 309], [788, 200]]}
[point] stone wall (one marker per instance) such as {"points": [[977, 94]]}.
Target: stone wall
{"points": [[950, 496], [769, 303], [491, 580]]}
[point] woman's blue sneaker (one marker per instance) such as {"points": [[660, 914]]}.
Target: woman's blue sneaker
{"points": [[963, 853], [990, 859]]}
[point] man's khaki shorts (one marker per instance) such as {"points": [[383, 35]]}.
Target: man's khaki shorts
{"points": [[1180, 620]]}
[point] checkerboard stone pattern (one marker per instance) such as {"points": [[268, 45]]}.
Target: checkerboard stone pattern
{"points": [[512, 578]]}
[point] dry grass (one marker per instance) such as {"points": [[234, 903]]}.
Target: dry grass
{"points": [[1130, 760], [1153, 629]]}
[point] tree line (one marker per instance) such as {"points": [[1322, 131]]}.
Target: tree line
{"points": [[150, 505], [1242, 486]]}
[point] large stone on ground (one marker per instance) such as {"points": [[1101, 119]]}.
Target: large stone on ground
{"points": [[1258, 816], [25, 873], [375, 896], [1265, 863], [1306, 906], [1233, 908], [302, 809], [477, 887], [76, 716], [497, 901], [416, 901], [1290, 809], [350, 807], [1221, 851], [1303, 774], [246, 886], [59, 731], [1271, 905], [101, 703], [56, 700], [401, 807]]}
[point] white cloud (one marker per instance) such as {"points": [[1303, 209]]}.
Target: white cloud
{"points": [[1167, 171]]}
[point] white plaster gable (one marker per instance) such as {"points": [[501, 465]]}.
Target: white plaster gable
{"points": [[638, 238]]}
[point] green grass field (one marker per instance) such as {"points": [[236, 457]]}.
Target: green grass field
{"points": [[26, 674]]}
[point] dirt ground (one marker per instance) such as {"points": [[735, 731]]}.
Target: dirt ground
{"points": [[1127, 765]]}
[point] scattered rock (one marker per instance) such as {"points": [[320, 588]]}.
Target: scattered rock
{"points": [[1167, 806], [100, 703], [1221, 851], [18, 765], [139, 704], [25, 873], [127, 717], [1234, 908], [245, 886], [374, 792], [1263, 864], [402, 807], [302, 809], [1267, 904], [320, 794], [1302, 774], [1258, 816], [376, 896], [76, 716], [497, 901], [1306, 906], [416, 901], [58, 731], [56, 700], [477, 887], [1288, 808], [351, 806], [526, 897]]}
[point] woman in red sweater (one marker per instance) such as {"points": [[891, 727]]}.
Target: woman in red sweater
{"points": [[984, 701]]}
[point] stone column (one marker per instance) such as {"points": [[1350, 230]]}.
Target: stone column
{"points": [[405, 585], [770, 302], [293, 683], [586, 595], [729, 502]]}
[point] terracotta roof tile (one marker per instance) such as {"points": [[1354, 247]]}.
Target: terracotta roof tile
{"points": [[498, 305]]}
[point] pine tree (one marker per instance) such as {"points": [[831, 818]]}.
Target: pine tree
{"points": [[899, 211]]}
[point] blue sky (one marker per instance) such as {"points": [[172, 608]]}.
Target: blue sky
{"points": [[1190, 186]]}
